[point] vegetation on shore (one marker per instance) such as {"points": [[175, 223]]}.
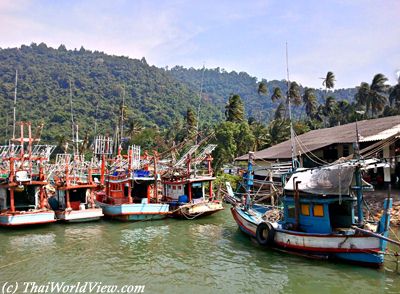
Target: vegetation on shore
{"points": [[164, 106]]}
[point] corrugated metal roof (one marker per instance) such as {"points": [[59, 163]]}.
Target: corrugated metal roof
{"points": [[369, 130]]}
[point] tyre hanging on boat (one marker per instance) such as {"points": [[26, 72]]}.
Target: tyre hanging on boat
{"points": [[265, 234]]}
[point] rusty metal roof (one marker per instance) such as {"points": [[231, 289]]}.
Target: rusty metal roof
{"points": [[369, 130]]}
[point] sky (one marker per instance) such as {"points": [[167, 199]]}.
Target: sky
{"points": [[355, 39]]}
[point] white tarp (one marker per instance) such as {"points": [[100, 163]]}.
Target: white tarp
{"points": [[330, 180]]}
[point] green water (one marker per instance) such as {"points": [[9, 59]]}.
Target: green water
{"points": [[208, 255]]}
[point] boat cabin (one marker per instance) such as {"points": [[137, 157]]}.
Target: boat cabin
{"points": [[187, 190], [78, 199], [122, 188], [26, 197], [318, 214]]}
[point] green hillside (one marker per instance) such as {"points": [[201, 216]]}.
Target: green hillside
{"points": [[153, 97]]}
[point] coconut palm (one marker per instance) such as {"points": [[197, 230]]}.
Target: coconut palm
{"points": [[278, 131], [373, 97], [280, 111], [262, 88], [260, 133], [310, 102], [378, 91], [277, 95], [329, 81], [294, 94]]}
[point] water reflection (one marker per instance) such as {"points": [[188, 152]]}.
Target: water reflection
{"points": [[203, 256]]}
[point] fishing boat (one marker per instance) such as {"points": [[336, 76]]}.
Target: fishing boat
{"points": [[322, 215], [72, 192], [131, 189], [185, 188], [23, 199]]}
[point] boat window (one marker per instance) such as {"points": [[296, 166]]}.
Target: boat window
{"points": [[318, 210], [305, 209], [291, 213]]}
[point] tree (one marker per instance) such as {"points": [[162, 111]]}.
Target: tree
{"points": [[373, 97], [310, 102], [277, 95], [234, 110], [329, 81], [244, 139], [191, 122], [278, 131], [377, 95], [294, 94], [280, 111], [260, 133], [262, 89], [394, 96], [226, 145]]}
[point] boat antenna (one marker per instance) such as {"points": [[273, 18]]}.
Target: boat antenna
{"points": [[290, 111], [74, 140], [122, 115], [198, 106], [15, 101], [357, 149]]}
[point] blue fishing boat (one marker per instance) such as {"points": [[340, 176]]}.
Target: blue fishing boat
{"points": [[131, 191], [321, 215]]}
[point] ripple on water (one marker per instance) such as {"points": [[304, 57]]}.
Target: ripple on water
{"points": [[209, 255]]}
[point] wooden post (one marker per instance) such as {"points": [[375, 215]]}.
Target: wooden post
{"points": [[103, 168], [189, 191], [12, 205], [155, 192], [41, 197], [146, 168], [68, 203], [296, 202], [11, 178], [210, 187]]}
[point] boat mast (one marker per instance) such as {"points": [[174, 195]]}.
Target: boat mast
{"points": [[15, 101], [74, 128], [122, 115], [198, 107], [360, 212], [293, 147]]}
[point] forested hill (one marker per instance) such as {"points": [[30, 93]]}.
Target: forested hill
{"points": [[154, 97], [219, 84]]}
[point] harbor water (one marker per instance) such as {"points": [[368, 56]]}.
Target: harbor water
{"points": [[208, 255]]}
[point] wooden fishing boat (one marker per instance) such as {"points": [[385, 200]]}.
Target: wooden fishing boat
{"points": [[23, 200], [72, 192], [131, 191], [318, 217], [184, 187]]}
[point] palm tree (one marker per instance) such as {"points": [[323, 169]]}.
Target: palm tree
{"points": [[294, 94], [262, 88], [278, 131], [277, 95], [329, 81], [373, 97], [394, 96], [378, 90], [310, 102], [280, 111], [362, 96], [260, 133], [134, 128]]}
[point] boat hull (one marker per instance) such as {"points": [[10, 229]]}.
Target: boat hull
{"points": [[135, 211], [358, 249], [196, 210], [84, 215], [28, 218]]}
